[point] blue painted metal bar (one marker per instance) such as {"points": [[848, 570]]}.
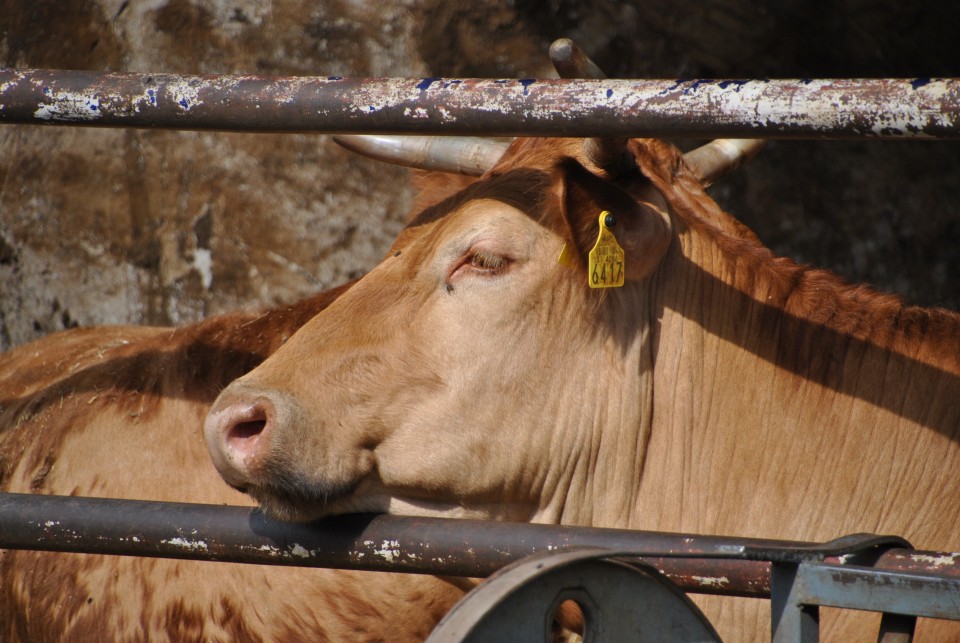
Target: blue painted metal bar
{"points": [[791, 621], [877, 590]]}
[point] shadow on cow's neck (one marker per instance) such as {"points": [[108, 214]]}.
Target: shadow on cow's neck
{"points": [[888, 355]]}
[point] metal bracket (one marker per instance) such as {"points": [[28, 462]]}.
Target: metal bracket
{"points": [[800, 587]]}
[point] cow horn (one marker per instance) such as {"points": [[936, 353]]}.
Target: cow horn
{"points": [[709, 162], [571, 61], [460, 154], [715, 159]]}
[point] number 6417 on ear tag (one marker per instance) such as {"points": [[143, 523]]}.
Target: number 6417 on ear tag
{"points": [[606, 265]]}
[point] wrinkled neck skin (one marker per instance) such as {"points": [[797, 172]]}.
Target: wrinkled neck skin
{"points": [[605, 410]]}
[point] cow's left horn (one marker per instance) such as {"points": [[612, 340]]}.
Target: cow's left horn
{"points": [[460, 154]]}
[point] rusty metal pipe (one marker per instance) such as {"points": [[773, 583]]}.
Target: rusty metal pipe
{"points": [[892, 108], [390, 543]]}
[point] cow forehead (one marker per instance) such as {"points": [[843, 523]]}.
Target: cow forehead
{"points": [[487, 221]]}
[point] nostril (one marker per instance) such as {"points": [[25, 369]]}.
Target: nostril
{"points": [[242, 429], [249, 430]]}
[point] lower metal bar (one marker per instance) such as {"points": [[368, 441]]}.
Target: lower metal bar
{"points": [[701, 564], [364, 542]]}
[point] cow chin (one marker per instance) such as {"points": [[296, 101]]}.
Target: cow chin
{"points": [[296, 499], [301, 503]]}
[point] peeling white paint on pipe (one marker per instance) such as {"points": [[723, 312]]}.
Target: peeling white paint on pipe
{"points": [[69, 107], [183, 543], [820, 108]]}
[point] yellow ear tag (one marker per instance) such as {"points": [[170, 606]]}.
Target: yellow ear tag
{"points": [[566, 257], [606, 267]]}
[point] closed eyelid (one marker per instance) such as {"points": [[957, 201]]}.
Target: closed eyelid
{"points": [[488, 260], [479, 262]]}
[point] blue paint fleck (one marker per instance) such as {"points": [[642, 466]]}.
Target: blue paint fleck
{"points": [[334, 77], [696, 83], [93, 108], [526, 82], [679, 82], [736, 84], [609, 93], [153, 97], [46, 91], [184, 103], [455, 81], [919, 82], [371, 108], [425, 83], [806, 81]]}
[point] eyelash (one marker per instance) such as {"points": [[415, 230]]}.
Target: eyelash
{"points": [[487, 262]]}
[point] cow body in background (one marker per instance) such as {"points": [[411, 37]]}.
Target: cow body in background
{"points": [[720, 390], [118, 412]]}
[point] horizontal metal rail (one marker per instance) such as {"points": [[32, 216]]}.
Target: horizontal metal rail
{"points": [[703, 564], [821, 108]]}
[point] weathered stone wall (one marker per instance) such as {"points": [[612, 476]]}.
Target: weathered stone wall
{"points": [[134, 226]]}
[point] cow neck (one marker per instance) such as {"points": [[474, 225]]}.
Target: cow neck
{"points": [[603, 429], [758, 361]]}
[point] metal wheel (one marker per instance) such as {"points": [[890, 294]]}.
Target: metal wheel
{"points": [[619, 601]]}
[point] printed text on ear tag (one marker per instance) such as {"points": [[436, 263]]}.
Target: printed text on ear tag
{"points": [[606, 259]]}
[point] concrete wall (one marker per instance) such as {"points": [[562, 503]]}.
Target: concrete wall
{"points": [[146, 227]]}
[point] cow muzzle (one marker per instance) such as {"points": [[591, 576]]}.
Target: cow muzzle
{"points": [[239, 430]]}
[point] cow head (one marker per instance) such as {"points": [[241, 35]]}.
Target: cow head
{"points": [[470, 373]]}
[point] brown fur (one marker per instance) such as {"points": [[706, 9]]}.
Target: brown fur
{"points": [[117, 412]]}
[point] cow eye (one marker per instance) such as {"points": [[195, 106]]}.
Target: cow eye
{"points": [[479, 263], [487, 262]]}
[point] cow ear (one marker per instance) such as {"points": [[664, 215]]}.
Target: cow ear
{"points": [[641, 229]]}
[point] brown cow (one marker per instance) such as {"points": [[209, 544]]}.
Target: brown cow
{"points": [[720, 390], [118, 412]]}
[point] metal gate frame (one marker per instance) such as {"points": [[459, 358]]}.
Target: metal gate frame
{"points": [[864, 571], [858, 572]]}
